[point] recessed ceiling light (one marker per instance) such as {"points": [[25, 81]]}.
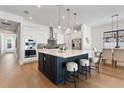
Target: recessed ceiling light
{"points": [[38, 6], [30, 18]]}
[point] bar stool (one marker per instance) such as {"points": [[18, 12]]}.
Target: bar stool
{"points": [[85, 67], [72, 69]]}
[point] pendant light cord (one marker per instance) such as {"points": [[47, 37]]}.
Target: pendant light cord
{"points": [[75, 19], [68, 16], [117, 37], [59, 14], [113, 21]]}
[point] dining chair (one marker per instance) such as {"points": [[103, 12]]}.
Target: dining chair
{"points": [[107, 54], [95, 61], [118, 55]]}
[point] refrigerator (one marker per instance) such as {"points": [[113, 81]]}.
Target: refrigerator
{"points": [[76, 44]]}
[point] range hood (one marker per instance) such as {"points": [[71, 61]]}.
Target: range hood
{"points": [[51, 34], [52, 42]]}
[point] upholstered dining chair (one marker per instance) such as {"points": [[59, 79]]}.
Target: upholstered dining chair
{"points": [[95, 60], [118, 55], [107, 54]]}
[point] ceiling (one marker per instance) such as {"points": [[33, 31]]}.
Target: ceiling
{"points": [[8, 25], [48, 14]]}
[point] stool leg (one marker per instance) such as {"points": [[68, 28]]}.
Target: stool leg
{"points": [[74, 78], [86, 71], [89, 71], [115, 64], [98, 67], [78, 76], [64, 77]]}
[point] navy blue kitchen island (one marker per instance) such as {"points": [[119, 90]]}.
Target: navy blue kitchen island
{"points": [[52, 63]]}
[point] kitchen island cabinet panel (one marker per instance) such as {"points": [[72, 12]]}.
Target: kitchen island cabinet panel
{"points": [[54, 67]]}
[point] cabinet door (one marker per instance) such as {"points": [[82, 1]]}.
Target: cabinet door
{"points": [[50, 65], [40, 62]]}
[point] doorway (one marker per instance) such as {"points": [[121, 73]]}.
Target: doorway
{"points": [[9, 37]]}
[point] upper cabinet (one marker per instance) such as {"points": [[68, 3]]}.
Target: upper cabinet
{"points": [[59, 36]]}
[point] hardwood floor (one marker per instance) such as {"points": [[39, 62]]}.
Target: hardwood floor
{"points": [[14, 75], [27, 76]]}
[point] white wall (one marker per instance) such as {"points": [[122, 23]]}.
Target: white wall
{"points": [[97, 33], [68, 40], [86, 42], [59, 35], [10, 16]]}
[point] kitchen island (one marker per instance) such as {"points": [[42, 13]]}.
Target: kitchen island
{"points": [[51, 62]]}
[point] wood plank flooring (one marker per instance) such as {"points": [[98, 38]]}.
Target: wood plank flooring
{"points": [[13, 75]]}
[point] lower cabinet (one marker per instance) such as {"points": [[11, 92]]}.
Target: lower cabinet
{"points": [[54, 67], [40, 62], [47, 65]]}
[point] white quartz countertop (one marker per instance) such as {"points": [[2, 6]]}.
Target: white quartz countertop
{"points": [[66, 54]]}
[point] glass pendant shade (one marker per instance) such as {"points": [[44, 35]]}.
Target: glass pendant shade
{"points": [[59, 27], [74, 28], [68, 29]]}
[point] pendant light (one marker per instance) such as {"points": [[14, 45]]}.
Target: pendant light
{"points": [[68, 29], [74, 28], [117, 35], [59, 26]]}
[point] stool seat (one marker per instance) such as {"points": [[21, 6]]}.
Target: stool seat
{"points": [[85, 67], [71, 66], [84, 62]]}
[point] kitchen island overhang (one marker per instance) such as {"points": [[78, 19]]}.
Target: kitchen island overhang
{"points": [[51, 62]]}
